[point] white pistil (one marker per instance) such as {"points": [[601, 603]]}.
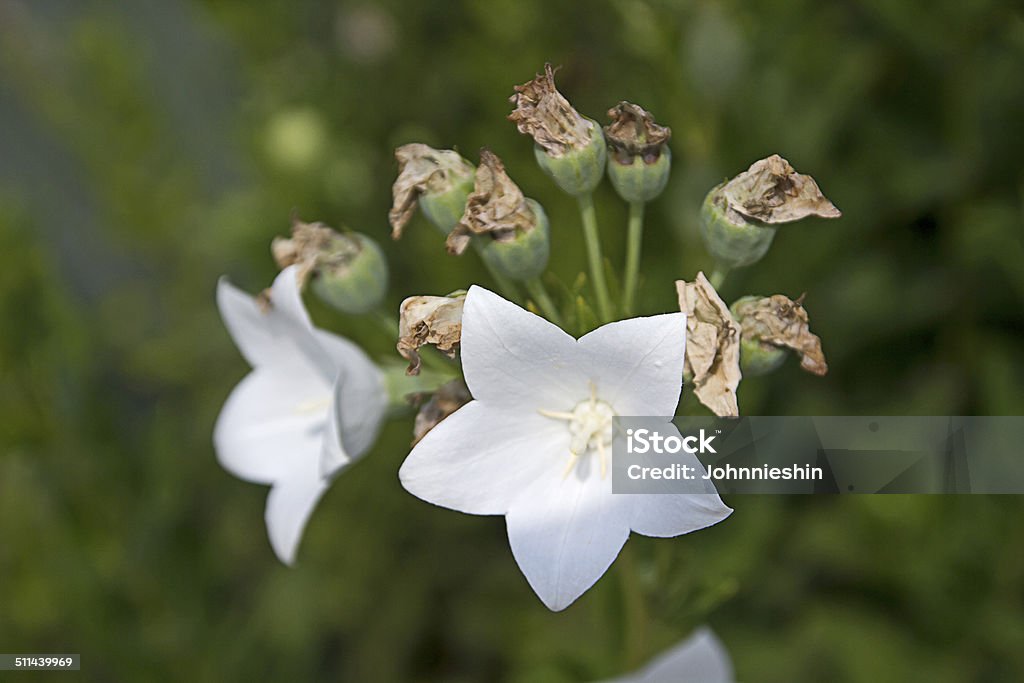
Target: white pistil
{"points": [[590, 427]]}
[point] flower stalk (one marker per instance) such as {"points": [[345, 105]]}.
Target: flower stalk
{"points": [[634, 244], [594, 257]]}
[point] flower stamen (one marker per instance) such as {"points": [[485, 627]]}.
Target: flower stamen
{"points": [[590, 428]]}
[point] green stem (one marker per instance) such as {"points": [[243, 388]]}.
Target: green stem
{"points": [[635, 609], [635, 240], [718, 276], [540, 294], [589, 217], [387, 323]]}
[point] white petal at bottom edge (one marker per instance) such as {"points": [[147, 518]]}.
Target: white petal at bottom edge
{"points": [[701, 658], [289, 506], [565, 533]]}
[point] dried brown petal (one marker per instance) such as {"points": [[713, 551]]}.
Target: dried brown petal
{"points": [[712, 346], [634, 133], [772, 192], [443, 402], [422, 169], [780, 321], [545, 115], [426, 320], [495, 207], [313, 246]]}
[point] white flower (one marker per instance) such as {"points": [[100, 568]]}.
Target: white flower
{"points": [[534, 443], [701, 658], [312, 404]]}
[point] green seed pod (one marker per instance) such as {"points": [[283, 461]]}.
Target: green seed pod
{"points": [[568, 146], [577, 171], [525, 256], [444, 209], [731, 239], [356, 285], [438, 180], [639, 157], [772, 326], [638, 180], [347, 270], [738, 217], [758, 358]]}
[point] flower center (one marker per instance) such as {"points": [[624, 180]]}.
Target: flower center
{"points": [[590, 428]]}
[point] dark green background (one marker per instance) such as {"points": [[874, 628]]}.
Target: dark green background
{"points": [[148, 147]]}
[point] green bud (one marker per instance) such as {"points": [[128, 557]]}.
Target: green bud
{"points": [[568, 146], [738, 217], [438, 180], [510, 231], [346, 270], [639, 157]]}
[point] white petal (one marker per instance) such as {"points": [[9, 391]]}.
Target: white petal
{"points": [[359, 403], [478, 460], [265, 336], [637, 364], [566, 532], [290, 504], [701, 658], [274, 416], [513, 358], [664, 515]]}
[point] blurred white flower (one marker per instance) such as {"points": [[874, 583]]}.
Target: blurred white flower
{"points": [[312, 404], [534, 443], [701, 658]]}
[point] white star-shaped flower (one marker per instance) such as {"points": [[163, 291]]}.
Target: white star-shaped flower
{"points": [[534, 444], [312, 404], [701, 658]]}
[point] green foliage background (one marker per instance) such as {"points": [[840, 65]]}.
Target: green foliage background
{"points": [[146, 148]]}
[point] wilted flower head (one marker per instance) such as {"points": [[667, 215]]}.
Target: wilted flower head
{"points": [[496, 207], [345, 269], [640, 157], [513, 228], [633, 133], [568, 147], [779, 322], [545, 115], [772, 192], [738, 218], [426, 320], [438, 179], [712, 346], [442, 403]]}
